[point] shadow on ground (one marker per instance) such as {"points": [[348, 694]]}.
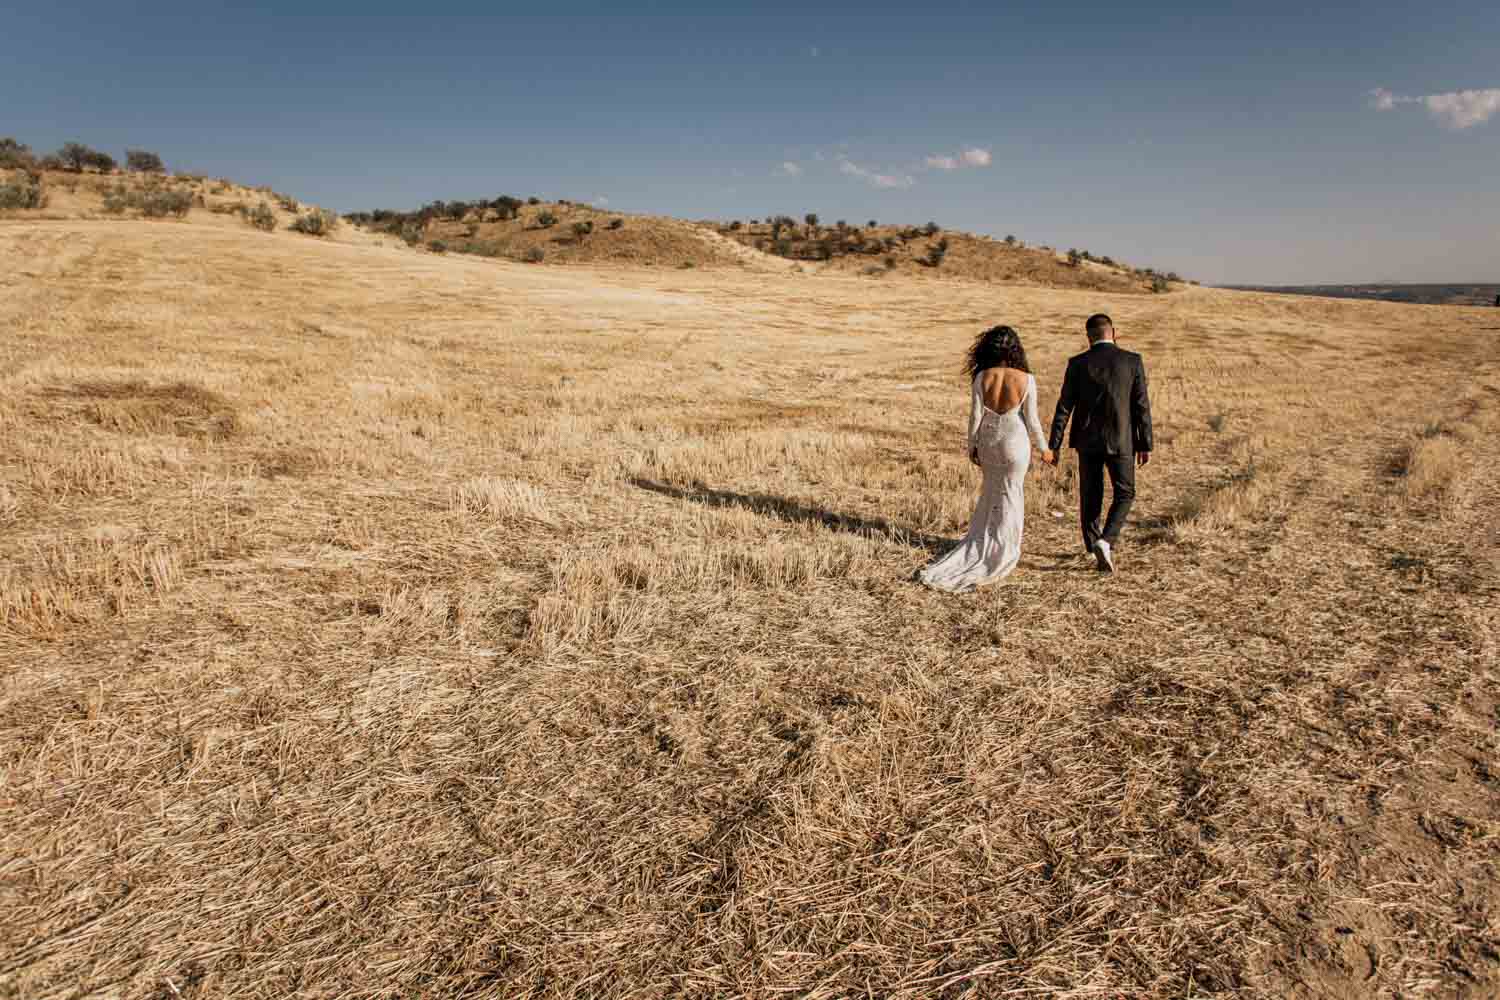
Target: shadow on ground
{"points": [[789, 510]]}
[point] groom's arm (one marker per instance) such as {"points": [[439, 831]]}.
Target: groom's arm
{"points": [[1140, 410], [1066, 400]]}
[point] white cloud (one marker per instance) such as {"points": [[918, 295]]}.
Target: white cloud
{"points": [[874, 179], [972, 157], [1458, 109], [789, 169]]}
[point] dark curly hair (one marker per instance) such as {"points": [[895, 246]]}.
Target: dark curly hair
{"points": [[997, 347]]}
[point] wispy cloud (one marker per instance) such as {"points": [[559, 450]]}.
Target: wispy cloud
{"points": [[851, 169], [1459, 109], [789, 169], [972, 157]]}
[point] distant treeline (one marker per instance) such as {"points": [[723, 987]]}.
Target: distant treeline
{"points": [[1429, 295]]}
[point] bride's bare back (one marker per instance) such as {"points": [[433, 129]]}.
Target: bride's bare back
{"points": [[1003, 388]]}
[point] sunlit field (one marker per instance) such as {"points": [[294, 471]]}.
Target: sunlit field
{"points": [[378, 623]]}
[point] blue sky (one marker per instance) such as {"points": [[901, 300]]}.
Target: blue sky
{"points": [[1242, 143]]}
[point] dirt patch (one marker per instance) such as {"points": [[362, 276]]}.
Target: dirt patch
{"points": [[136, 407]]}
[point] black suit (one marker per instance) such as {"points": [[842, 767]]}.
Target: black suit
{"points": [[1105, 394]]}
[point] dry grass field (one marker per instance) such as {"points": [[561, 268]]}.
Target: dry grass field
{"points": [[376, 623]]}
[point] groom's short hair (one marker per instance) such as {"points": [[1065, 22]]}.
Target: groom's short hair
{"points": [[1098, 325]]}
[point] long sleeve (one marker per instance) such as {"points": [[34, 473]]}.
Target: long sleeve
{"points": [[1066, 400], [1028, 414], [976, 409], [1140, 409]]}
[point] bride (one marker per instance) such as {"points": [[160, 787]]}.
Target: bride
{"points": [[1003, 411]]}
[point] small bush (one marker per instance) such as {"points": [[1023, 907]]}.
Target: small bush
{"points": [[286, 202], [735, 226], [25, 192], [261, 217], [153, 202], [582, 229], [141, 161], [811, 218], [546, 220], [931, 229], [14, 153], [1075, 258], [890, 263], [1010, 241], [782, 248], [686, 265], [75, 156], [1160, 284], [411, 233], [616, 223], [318, 222], [438, 246], [160, 204], [871, 224], [533, 200], [535, 255], [937, 253]]}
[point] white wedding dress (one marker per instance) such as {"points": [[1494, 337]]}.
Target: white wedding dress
{"points": [[992, 547]]}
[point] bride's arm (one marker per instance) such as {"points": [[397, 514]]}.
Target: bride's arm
{"points": [[976, 409], [1028, 411]]}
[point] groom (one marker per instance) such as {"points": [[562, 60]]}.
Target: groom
{"points": [[1105, 393]]}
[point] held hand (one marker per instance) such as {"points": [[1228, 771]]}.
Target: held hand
{"points": [[1049, 457], [1142, 457]]}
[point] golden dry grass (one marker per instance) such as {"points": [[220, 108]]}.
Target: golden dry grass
{"points": [[375, 623]]}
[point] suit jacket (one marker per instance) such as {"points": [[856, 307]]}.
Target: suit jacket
{"points": [[1105, 393]]}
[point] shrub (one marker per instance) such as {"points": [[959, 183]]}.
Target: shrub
{"points": [[153, 202], [318, 222], [535, 255], [1010, 241], [931, 229], [890, 263], [24, 192], [141, 161], [411, 233], [261, 217], [286, 202], [75, 156], [616, 223], [811, 218], [782, 248], [546, 220], [582, 229], [1074, 257], [506, 207], [1160, 284], [937, 253], [533, 200], [735, 226], [438, 246], [686, 265], [160, 204], [14, 153]]}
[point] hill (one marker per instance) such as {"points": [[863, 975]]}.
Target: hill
{"points": [[1417, 294], [382, 622]]}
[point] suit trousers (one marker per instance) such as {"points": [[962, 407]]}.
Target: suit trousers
{"points": [[1091, 469]]}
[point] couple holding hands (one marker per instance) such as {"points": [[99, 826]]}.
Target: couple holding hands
{"points": [[1103, 392]]}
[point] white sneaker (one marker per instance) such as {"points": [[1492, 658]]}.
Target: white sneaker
{"points": [[1103, 557]]}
